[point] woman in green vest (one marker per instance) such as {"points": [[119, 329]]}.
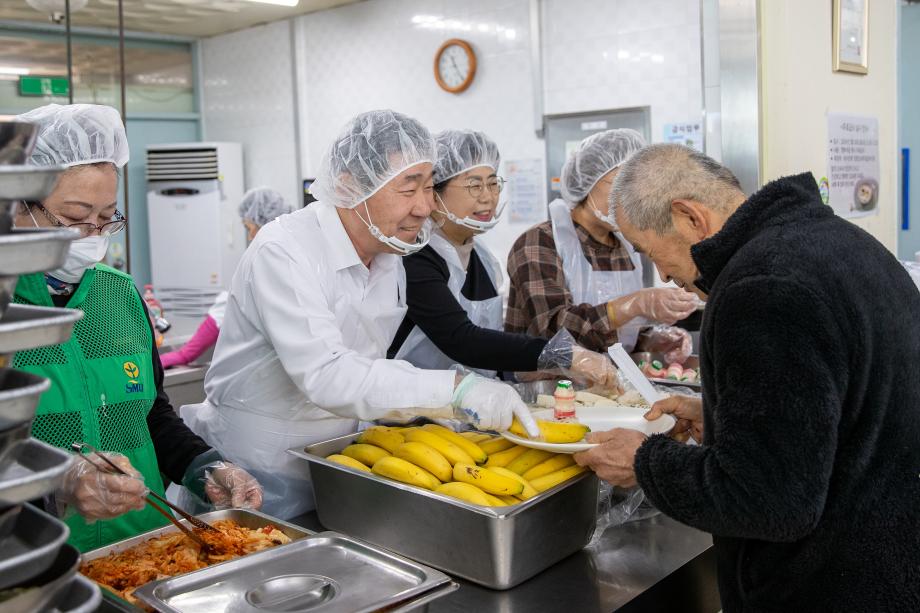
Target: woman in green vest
{"points": [[106, 381]]}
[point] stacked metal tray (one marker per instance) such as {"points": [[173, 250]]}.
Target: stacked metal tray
{"points": [[37, 567], [498, 547]]}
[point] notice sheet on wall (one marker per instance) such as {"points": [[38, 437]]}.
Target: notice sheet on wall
{"points": [[524, 192], [853, 164], [689, 133]]}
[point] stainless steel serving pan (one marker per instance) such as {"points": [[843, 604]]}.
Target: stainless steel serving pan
{"points": [[31, 547], [33, 469], [498, 547], [19, 396], [36, 593], [27, 182], [27, 250], [27, 327], [326, 573], [81, 595], [11, 437], [244, 517]]}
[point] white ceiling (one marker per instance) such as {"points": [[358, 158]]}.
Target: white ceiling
{"points": [[198, 18]]}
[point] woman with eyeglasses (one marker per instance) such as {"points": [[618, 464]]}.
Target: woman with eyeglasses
{"points": [[455, 309], [106, 380]]}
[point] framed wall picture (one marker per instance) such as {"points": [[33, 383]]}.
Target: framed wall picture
{"points": [[851, 36]]}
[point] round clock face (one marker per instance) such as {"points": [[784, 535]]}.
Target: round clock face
{"points": [[455, 66]]}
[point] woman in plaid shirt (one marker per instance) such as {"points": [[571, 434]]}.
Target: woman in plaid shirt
{"points": [[576, 271]]}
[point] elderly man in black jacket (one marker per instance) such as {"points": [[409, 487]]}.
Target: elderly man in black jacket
{"points": [[808, 475]]}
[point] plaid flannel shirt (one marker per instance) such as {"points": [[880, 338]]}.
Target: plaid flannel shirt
{"points": [[539, 302]]}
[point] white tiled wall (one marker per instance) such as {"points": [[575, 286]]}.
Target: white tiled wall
{"points": [[248, 97], [597, 55]]}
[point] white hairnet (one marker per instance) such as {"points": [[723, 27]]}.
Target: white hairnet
{"points": [[461, 150], [260, 205], [75, 134], [372, 149], [594, 157]]}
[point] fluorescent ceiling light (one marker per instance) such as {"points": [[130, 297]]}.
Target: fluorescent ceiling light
{"points": [[276, 2], [13, 70]]}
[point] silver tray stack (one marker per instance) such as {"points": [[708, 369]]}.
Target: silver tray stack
{"points": [[38, 569]]}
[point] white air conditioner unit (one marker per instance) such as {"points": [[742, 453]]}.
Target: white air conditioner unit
{"points": [[196, 236]]}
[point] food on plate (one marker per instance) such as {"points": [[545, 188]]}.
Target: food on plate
{"points": [[344, 460], [541, 484], [365, 453], [487, 480], [553, 432], [446, 448], [471, 448], [405, 472], [383, 437], [426, 457], [174, 553]]}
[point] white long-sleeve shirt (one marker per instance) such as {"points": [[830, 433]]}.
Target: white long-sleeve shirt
{"points": [[301, 355]]}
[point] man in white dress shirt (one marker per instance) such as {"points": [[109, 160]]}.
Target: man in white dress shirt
{"points": [[313, 307]]}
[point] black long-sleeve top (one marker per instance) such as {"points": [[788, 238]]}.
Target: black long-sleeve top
{"points": [[437, 313]]}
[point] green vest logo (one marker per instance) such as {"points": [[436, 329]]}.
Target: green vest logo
{"points": [[133, 373]]}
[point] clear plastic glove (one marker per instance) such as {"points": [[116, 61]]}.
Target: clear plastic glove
{"points": [[491, 405], [666, 305], [675, 343], [566, 357], [228, 486], [95, 492]]}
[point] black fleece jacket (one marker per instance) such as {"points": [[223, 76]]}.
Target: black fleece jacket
{"points": [[809, 473]]}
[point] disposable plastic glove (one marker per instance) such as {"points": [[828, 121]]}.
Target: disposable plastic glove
{"points": [[491, 405], [666, 305], [675, 343], [94, 492], [230, 487]]}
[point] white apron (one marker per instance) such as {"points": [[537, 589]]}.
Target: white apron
{"points": [[259, 442], [594, 286], [418, 349]]}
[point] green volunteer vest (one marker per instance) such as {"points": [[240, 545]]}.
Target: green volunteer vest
{"points": [[101, 388]]}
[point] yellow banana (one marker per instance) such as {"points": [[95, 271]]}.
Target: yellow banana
{"points": [[541, 484], [528, 460], [528, 492], [495, 501], [387, 438], [553, 431], [557, 462], [487, 480], [502, 458], [443, 446], [474, 436], [464, 491], [364, 453], [427, 457], [344, 460], [508, 501], [472, 449], [494, 445], [406, 472]]}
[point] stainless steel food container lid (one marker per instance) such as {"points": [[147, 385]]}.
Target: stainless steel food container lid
{"points": [[325, 573]]}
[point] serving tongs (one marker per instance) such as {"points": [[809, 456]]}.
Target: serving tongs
{"points": [[79, 447]]}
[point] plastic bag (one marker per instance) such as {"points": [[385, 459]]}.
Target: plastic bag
{"points": [[617, 506]]}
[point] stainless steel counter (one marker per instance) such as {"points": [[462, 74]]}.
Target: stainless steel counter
{"points": [[655, 564]]}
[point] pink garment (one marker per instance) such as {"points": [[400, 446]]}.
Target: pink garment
{"points": [[205, 336]]}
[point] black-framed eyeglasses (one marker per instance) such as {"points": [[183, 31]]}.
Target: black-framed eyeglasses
{"points": [[495, 185], [85, 229]]}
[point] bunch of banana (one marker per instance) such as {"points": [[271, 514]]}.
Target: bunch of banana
{"points": [[470, 466], [553, 431]]}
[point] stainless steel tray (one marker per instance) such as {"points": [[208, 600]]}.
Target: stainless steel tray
{"points": [[39, 591], [19, 396], [12, 437], [692, 362], [31, 547], [28, 250], [244, 517], [498, 547], [28, 182], [326, 573], [34, 469], [27, 327], [7, 290], [79, 596]]}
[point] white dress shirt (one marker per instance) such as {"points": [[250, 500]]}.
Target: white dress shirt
{"points": [[301, 355]]}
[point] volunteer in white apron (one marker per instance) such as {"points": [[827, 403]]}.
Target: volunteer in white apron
{"points": [[614, 294], [314, 305], [455, 309], [259, 206]]}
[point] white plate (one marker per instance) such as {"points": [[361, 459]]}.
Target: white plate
{"points": [[598, 419]]}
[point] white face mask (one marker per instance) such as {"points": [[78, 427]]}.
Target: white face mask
{"points": [[469, 222], [607, 219], [400, 246], [84, 253]]}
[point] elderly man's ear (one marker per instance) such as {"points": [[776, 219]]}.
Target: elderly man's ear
{"points": [[692, 220]]}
